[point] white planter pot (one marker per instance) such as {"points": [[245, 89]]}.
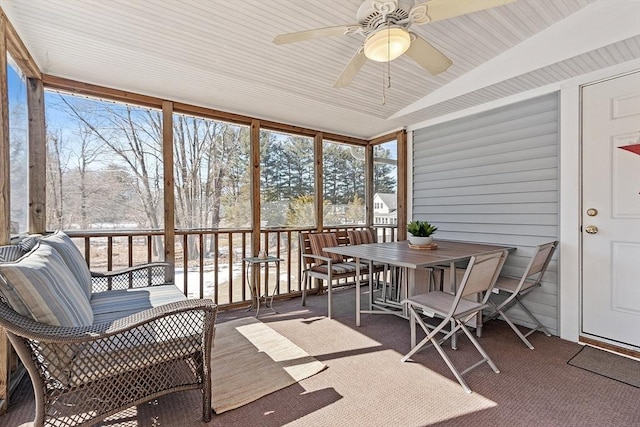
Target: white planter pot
{"points": [[414, 240]]}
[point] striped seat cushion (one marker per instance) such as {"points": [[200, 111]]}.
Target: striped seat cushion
{"points": [[112, 305], [10, 253], [72, 257], [319, 241], [40, 286], [360, 237], [340, 268]]}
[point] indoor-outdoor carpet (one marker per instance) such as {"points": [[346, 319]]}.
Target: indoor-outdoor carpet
{"points": [[250, 360], [608, 365]]}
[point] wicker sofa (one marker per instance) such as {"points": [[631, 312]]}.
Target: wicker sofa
{"points": [[92, 354]]}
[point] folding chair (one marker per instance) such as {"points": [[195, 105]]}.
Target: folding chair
{"points": [[520, 287], [456, 310]]}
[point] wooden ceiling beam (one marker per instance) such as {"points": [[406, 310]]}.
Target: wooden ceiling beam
{"points": [[88, 89], [19, 52], [384, 138], [80, 88]]}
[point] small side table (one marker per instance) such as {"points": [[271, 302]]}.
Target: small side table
{"points": [[255, 298]]}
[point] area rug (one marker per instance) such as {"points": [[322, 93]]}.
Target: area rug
{"points": [[251, 360], [607, 364]]}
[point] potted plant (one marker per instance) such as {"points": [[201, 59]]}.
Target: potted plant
{"points": [[420, 232]]}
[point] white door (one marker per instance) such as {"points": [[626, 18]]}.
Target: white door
{"points": [[611, 211]]}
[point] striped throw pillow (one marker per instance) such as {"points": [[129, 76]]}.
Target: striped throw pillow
{"points": [[10, 253], [28, 243], [319, 241], [72, 257], [40, 286], [360, 237]]}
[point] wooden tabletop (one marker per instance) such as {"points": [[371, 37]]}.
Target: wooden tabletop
{"points": [[400, 254]]}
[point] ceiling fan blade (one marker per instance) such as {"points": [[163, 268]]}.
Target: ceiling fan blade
{"points": [[438, 10], [351, 69], [427, 56], [314, 34]]}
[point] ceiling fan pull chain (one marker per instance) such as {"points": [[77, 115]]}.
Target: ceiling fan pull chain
{"points": [[384, 97]]}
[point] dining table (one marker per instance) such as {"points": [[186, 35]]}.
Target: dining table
{"points": [[416, 262]]}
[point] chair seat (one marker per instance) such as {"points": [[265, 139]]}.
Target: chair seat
{"points": [[440, 303], [116, 304], [340, 268], [510, 284]]}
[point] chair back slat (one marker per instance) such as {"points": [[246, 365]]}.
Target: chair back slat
{"points": [[482, 273], [540, 260], [305, 243], [342, 237], [360, 237]]}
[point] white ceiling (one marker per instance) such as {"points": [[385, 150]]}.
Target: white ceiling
{"points": [[219, 54]]}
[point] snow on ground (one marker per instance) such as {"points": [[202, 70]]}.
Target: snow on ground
{"points": [[193, 282]]}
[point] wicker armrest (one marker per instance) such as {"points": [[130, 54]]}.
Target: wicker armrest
{"points": [[32, 330], [133, 277]]}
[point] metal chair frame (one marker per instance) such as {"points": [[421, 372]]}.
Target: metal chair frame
{"points": [[531, 279], [455, 310]]}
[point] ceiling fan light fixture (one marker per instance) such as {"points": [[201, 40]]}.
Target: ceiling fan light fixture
{"points": [[387, 44]]}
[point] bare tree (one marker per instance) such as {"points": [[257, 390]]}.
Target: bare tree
{"points": [[133, 137], [56, 171], [207, 155]]}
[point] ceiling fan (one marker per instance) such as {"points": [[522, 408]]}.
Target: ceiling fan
{"points": [[385, 25]]}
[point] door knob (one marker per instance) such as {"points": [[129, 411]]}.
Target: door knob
{"points": [[591, 229], [592, 211]]}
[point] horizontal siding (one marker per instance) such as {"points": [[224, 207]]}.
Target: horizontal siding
{"points": [[487, 145], [548, 174], [493, 177], [515, 198], [517, 165], [501, 157], [496, 208]]}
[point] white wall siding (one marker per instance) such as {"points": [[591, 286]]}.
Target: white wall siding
{"points": [[493, 177]]}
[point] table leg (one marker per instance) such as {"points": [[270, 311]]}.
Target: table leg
{"points": [[357, 291], [255, 293], [452, 281], [370, 285], [250, 284], [268, 299]]}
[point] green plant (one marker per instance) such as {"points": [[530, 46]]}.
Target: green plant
{"points": [[421, 228]]}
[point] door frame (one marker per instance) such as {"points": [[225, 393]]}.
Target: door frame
{"points": [[583, 337], [570, 268]]}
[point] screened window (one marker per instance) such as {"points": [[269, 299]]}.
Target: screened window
{"points": [[344, 184], [104, 164], [211, 167], [18, 147], [385, 178], [286, 180]]}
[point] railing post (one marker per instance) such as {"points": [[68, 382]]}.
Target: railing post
{"points": [[169, 203], [255, 202], [403, 172], [318, 180], [368, 185]]}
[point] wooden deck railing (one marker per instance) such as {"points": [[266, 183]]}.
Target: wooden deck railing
{"points": [[209, 263]]}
